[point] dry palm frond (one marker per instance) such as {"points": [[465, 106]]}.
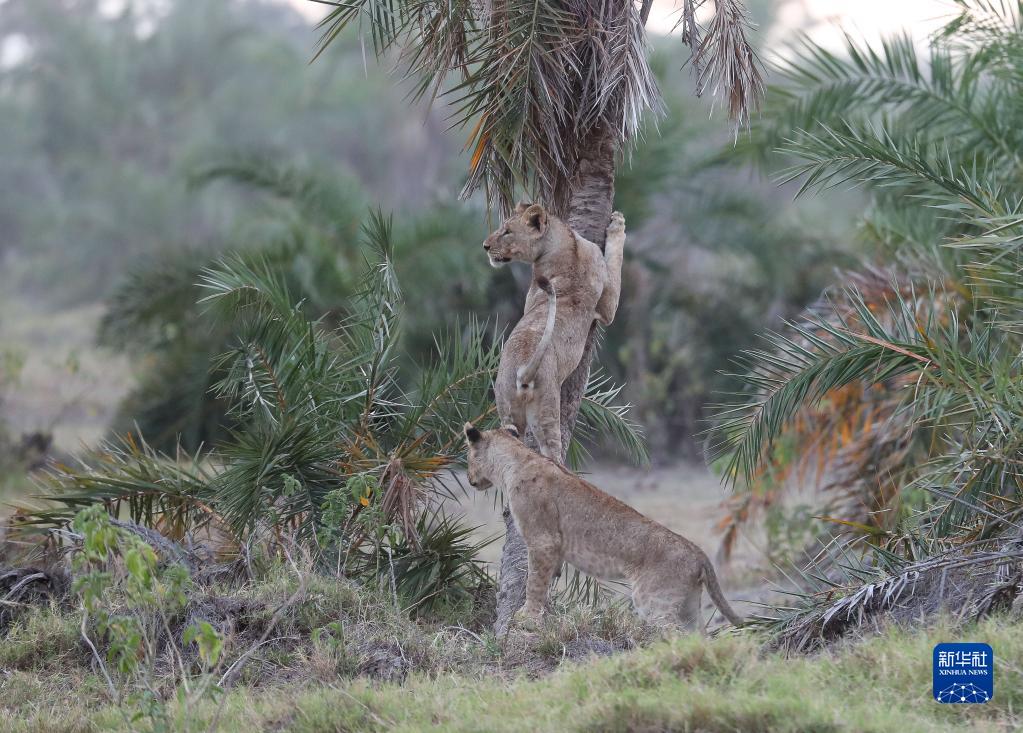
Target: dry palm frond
{"points": [[856, 438], [545, 78], [403, 499], [151, 488], [969, 585], [23, 587], [534, 80], [723, 58]]}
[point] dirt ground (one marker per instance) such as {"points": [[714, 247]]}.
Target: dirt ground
{"points": [[59, 381]]}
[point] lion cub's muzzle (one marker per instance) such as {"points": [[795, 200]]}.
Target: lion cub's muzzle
{"points": [[496, 258], [480, 484]]}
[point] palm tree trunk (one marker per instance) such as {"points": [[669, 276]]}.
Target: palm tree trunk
{"points": [[589, 212]]}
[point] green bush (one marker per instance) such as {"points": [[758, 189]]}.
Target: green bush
{"points": [[903, 385]]}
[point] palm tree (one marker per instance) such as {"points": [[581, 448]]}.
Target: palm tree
{"points": [[552, 92], [903, 384]]}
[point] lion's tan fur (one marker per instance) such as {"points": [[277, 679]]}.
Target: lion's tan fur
{"points": [[566, 519], [587, 283]]}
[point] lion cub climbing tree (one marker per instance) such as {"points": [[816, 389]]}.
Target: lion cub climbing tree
{"points": [[573, 285]]}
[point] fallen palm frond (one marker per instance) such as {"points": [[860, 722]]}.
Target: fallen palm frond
{"points": [[20, 588], [956, 583]]}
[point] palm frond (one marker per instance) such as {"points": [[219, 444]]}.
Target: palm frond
{"points": [[456, 387], [532, 80], [440, 568], [943, 95], [137, 311], [723, 57], [602, 420], [801, 369], [325, 197], [985, 22], [279, 475], [871, 155], [172, 493]]}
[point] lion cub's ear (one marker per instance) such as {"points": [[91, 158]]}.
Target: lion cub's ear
{"points": [[471, 433], [511, 430], [522, 206], [536, 217]]}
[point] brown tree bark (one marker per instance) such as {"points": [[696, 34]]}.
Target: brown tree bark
{"points": [[589, 212]]}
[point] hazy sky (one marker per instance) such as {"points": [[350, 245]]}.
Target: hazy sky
{"points": [[823, 18], [867, 19]]}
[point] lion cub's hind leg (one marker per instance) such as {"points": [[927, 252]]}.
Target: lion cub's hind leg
{"points": [[544, 416], [510, 410], [687, 613], [669, 601], [655, 608]]}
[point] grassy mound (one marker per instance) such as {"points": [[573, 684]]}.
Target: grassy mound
{"points": [[685, 684], [288, 631], [462, 681]]}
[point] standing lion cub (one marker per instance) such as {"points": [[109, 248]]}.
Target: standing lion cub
{"points": [[574, 283], [563, 518]]}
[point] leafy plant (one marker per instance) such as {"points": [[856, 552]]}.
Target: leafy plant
{"points": [[903, 385], [130, 600], [305, 232], [331, 447]]}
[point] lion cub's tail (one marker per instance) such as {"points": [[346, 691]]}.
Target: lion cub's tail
{"points": [[710, 582], [526, 374]]}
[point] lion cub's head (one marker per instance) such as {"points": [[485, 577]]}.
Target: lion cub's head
{"points": [[519, 238], [483, 458]]}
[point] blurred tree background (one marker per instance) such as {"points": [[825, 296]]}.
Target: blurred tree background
{"points": [[141, 141]]}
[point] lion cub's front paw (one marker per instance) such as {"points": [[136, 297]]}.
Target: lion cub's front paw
{"points": [[527, 619], [617, 225]]}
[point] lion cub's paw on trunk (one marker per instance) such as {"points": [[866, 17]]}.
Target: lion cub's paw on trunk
{"points": [[566, 519]]}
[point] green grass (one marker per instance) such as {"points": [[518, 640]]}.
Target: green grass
{"points": [[683, 684]]}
